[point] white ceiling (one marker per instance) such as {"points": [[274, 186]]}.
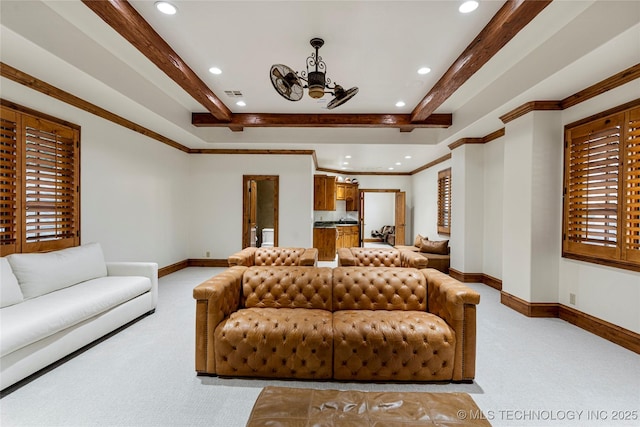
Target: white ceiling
{"points": [[375, 45]]}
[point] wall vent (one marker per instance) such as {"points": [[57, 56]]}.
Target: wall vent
{"points": [[233, 93]]}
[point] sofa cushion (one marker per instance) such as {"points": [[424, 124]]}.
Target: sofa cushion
{"points": [[275, 342], [379, 345], [278, 256], [41, 273], [10, 292], [37, 318], [440, 247], [418, 241], [382, 288], [287, 287]]}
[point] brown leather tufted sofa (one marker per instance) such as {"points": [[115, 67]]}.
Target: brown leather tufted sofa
{"points": [[346, 323], [380, 257], [274, 256]]}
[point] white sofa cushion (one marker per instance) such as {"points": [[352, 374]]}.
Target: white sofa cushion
{"points": [[10, 292], [37, 318], [41, 273]]}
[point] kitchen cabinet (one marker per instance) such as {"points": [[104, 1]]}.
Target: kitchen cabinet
{"points": [[347, 236], [351, 197], [324, 239], [340, 191], [324, 193]]}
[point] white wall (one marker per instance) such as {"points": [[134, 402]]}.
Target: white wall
{"points": [[493, 188], [379, 210], [133, 199], [215, 200], [425, 214]]}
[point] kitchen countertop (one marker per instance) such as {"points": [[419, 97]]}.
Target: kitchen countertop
{"points": [[333, 224]]}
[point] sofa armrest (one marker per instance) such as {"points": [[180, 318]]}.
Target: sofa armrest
{"points": [[456, 303], [245, 257], [413, 259], [144, 269], [346, 257], [309, 257], [216, 299]]}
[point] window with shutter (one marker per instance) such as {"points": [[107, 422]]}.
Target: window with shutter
{"points": [[444, 201], [602, 190], [8, 182], [40, 197]]}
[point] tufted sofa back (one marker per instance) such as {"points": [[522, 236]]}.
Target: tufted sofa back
{"points": [[278, 256], [359, 288], [287, 287], [374, 257]]}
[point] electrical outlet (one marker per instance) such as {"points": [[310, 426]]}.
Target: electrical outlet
{"points": [[208, 254], [572, 299]]}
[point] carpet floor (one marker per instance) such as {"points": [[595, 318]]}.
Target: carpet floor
{"points": [[533, 372]]}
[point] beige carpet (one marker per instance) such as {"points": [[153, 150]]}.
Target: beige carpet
{"points": [[303, 407]]}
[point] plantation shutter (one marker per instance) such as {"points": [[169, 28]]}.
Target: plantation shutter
{"points": [[631, 248], [9, 194], [51, 182], [593, 165], [444, 201]]}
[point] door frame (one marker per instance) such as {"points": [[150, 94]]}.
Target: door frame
{"points": [[246, 206], [397, 191]]}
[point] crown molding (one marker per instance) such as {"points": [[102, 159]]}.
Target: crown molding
{"points": [[483, 140]]}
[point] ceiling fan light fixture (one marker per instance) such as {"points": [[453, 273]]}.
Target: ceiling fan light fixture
{"points": [[288, 83]]}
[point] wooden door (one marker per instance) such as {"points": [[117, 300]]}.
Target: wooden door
{"points": [[250, 200], [361, 219], [401, 197]]}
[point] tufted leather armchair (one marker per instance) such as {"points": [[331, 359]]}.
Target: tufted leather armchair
{"points": [[274, 256], [346, 323], [380, 257]]}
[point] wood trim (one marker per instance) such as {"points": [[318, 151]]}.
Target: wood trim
{"points": [[126, 21], [529, 309], [603, 114], [614, 333], [529, 107], [38, 85], [26, 110], [341, 172], [619, 79], [250, 151], [507, 22], [380, 190], [402, 121], [206, 262], [172, 268], [491, 281], [466, 277], [483, 140], [431, 164]]}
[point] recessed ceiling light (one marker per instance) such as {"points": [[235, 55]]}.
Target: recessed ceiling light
{"points": [[345, 163], [390, 169], [215, 70], [241, 104], [343, 168], [400, 104], [424, 70], [166, 8], [407, 157], [347, 156], [398, 163], [468, 6]]}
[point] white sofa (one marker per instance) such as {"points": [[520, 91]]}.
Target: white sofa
{"points": [[54, 303]]}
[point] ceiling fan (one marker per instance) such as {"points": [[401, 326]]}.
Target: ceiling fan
{"points": [[289, 84]]}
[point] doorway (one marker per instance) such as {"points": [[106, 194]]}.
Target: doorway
{"points": [[259, 209], [395, 203]]}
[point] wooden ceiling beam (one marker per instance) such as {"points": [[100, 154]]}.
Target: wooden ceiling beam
{"points": [[510, 19], [400, 121], [127, 22]]}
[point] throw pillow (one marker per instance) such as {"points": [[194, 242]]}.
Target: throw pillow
{"points": [[10, 292], [41, 273], [440, 247], [418, 242]]}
